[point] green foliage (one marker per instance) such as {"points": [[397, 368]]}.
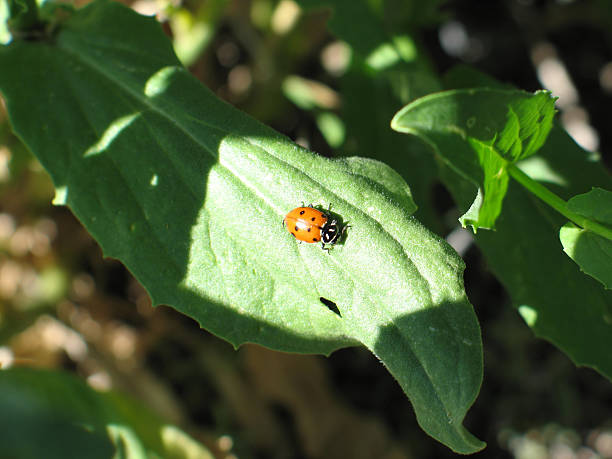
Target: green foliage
{"points": [[524, 252], [22, 14], [54, 415], [596, 205], [194, 31], [189, 194], [592, 252], [479, 133], [319, 100]]}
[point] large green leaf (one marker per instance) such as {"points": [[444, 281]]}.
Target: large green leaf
{"points": [[478, 132], [54, 415], [190, 193]]}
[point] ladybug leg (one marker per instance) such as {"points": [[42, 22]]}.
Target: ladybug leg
{"points": [[329, 211], [343, 230]]}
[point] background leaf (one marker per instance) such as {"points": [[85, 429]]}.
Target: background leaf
{"points": [[54, 415], [592, 252], [555, 299], [189, 193], [596, 205], [477, 131]]}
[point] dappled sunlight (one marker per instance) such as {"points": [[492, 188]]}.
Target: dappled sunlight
{"points": [[5, 34], [386, 55], [175, 440], [539, 168], [111, 133], [154, 180], [157, 84], [529, 315]]}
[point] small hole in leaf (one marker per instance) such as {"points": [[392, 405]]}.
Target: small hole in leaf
{"points": [[330, 305]]}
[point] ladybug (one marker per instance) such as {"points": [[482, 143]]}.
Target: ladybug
{"points": [[310, 225]]}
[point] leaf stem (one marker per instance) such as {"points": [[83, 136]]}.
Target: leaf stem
{"points": [[557, 203]]}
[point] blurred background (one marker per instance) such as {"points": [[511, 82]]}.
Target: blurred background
{"points": [[64, 306]]}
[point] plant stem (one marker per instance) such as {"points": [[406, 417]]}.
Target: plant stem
{"points": [[557, 203]]}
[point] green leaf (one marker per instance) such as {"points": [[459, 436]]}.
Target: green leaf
{"points": [[332, 128], [54, 415], [190, 193], [596, 205], [557, 301], [477, 132], [192, 31], [392, 182], [592, 252]]}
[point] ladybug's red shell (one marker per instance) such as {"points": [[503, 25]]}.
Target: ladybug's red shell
{"points": [[306, 223]]}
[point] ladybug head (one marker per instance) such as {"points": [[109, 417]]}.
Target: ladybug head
{"points": [[330, 232]]}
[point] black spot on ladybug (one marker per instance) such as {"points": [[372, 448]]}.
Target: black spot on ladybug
{"points": [[302, 212], [309, 228], [314, 239], [296, 228], [330, 305], [312, 219]]}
